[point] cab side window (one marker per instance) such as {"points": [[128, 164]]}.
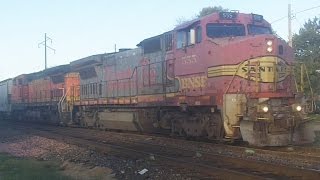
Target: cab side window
{"points": [[187, 37], [181, 39], [198, 34]]}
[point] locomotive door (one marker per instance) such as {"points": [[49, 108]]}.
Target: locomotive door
{"points": [[151, 67], [169, 80], [171, 84]]}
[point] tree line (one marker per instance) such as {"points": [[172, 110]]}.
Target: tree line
{"points": [[306, 45]]}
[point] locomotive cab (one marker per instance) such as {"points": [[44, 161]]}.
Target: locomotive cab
{"points": [[245, 72]]}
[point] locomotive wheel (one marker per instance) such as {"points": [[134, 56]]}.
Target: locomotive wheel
{"points": [[214, 127], [201, 125], [97, 123], [82, 122]]}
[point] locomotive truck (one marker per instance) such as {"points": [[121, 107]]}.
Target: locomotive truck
{"points": [[224, 76]]}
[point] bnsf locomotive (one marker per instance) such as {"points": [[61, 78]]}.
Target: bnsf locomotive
{"points": [[222, 76]]}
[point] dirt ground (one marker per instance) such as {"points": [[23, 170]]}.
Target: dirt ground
{"points": [[19, 144]]}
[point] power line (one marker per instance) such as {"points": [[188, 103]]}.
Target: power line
{"points": [[44, 43], [294, 14], [279, 19], [290, 25], [307, 9]]}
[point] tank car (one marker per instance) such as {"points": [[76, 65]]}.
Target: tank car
{"points": [[222, 76]]}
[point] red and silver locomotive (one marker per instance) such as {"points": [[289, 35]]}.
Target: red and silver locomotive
{"points": [[222, 76]]}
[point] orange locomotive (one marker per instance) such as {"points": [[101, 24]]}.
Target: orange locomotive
{"points": [[36, 96], [223, 76]]}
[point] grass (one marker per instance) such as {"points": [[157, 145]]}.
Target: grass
{"points": [[315, 117], [12, 168]]}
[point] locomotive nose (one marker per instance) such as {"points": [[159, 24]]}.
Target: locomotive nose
{"points": [[276, 46]]}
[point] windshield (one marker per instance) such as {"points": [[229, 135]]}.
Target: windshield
{"points": [[225, 30], [254, 29]]}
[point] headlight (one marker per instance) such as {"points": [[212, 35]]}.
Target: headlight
{"points": [[296, 107], [299, 108], [265, 109], [269, 49], [269, 43]]}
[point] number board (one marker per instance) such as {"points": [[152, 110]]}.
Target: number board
{"points": [[228, 15]]}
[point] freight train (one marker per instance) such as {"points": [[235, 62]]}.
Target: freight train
{"points": [[224, 76]]}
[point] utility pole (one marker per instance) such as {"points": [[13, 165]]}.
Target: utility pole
{"points": [[44, 43], [289, 25]]}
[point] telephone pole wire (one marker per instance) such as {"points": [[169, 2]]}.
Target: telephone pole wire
{"points": [[44, 43], [289, 25]]}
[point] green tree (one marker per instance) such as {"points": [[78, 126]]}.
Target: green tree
{"points": [[205, 11], [209, 10], [306, 46]]}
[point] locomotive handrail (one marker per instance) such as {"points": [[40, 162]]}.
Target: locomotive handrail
{"points": [[294, 77], [131, 77], [307, 73], [300, 87], [61, 100], [234, 75], [311, 89]]}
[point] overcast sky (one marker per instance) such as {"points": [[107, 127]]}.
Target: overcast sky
{"points": [[80, 28]]}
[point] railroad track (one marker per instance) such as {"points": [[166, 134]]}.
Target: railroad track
{"points": [[297, 153], [309, 153], [209, 164]]}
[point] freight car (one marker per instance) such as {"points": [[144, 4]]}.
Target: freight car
{"points": [[222, 76]]}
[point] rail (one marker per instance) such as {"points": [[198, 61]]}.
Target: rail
{"points": [[203, 159]]}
